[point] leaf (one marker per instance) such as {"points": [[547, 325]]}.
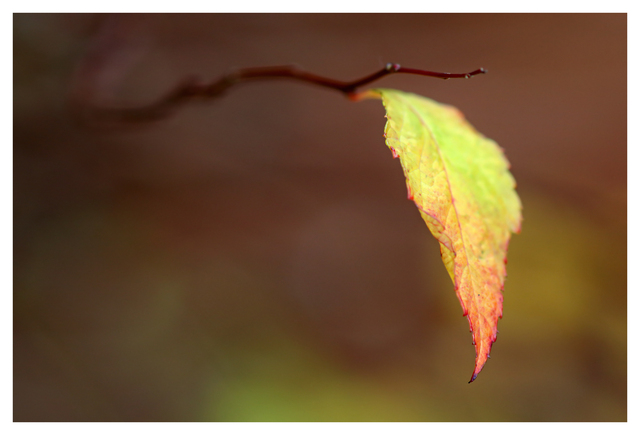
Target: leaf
{"points": [[461, 184]]}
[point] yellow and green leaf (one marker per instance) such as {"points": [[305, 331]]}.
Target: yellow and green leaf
{"points": [[461, 184]]}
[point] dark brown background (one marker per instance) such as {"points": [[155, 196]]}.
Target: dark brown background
{"points": [[256, 258]]}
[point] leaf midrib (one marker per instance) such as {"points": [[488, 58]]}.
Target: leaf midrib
{"points": [[453, 202]]}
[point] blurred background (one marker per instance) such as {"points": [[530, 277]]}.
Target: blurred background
{"points": [[255, 258]]}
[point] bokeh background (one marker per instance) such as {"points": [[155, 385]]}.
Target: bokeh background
{"points": [[255, 258]]}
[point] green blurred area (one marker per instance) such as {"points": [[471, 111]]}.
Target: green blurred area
{"points": [[214, 339], [161, 274]]}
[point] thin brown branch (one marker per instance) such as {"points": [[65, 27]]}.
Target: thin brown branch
{"points": [[192, 89]]}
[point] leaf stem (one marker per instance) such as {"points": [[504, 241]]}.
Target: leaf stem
{"points": [[193, 89]]}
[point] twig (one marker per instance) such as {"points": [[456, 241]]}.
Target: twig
{"points": [[193, 89]]}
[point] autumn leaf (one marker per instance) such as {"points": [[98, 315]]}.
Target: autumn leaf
{"points": [[461, 184]]}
